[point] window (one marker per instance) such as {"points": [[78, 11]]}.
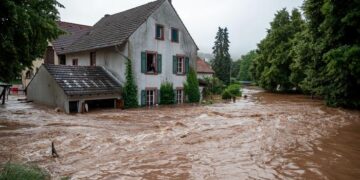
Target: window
{"points": [[151, 63], [179, 96], [62, 59], [75, 62], [174, 35], [150, 97], [180, 65], [93, 59], [159, 32]]}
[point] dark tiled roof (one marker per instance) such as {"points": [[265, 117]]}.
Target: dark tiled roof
{"points": [[114, 29], [203, 67], [73, 33], [83, 80]]}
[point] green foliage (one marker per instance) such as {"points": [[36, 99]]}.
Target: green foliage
{"points": [[324, 53], [12, 171], [213, 86], [25, 29], [231, 91], [130, 88], [235, 68], [244, 66], [221, 64], [272, 65], [191, 87], [167, 94]]}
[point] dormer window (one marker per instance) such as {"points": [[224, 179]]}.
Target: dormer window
{"points": [[174, 35], [159, 32]]}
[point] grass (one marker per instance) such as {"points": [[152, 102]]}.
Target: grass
{"points": [[12, 171]]}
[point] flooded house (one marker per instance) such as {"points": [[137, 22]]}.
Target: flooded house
{"points": [[152, 36]]}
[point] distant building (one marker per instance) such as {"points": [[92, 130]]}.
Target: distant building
{"points": [[203, 69]]}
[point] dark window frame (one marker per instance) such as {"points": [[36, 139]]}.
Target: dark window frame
{"points": [[162, 32], [155, 54], [92, 58], [172, 36]]}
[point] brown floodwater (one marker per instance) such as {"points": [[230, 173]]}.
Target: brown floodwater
{"points": [[265, 136]]}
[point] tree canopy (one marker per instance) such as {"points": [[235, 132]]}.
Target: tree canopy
{"points": [[25, 29], [244, 66]]}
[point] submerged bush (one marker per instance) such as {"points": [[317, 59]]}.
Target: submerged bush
{"points": [[231, 91], [167, 94], [12, 171]]}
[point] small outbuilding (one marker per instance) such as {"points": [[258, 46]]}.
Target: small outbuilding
{"points": [[74, 89]]}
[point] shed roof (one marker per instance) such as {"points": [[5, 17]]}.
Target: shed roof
{"points": [[114, 29], [83, 80], [203, 67]]}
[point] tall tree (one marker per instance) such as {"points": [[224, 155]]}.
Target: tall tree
{"points": [[222, 59], [25, 29], [335, 33], [272, 65]]}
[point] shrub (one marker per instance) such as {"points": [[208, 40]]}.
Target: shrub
{"points": [[130, 88], [12, 171], [231, 91], [191, 87], [213, 86], [167, 94]]}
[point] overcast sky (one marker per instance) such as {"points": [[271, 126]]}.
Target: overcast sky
{"points": [[247, 20]]}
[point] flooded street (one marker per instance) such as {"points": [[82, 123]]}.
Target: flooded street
{"points": [[266, 136]]}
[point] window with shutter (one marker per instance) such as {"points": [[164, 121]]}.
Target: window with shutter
{"points": [[174, 35]]}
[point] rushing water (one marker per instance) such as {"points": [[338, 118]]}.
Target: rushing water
{"points": [[265, 136]]}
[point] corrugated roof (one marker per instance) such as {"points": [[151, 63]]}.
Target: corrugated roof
{"points": [[203, 67], [83, 80], [114, 29], [73, 33]]}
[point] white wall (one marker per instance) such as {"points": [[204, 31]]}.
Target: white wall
{"points": [[144, 40], [43, 89], [204, 75]]}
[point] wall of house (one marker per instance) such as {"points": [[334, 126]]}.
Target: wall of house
{"points": [[35, 66], [144, 40], [109, 58], [43, 89]]}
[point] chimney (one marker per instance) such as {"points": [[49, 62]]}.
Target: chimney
{"points": [[106, 15]]}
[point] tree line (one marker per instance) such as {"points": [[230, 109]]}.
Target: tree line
{"points": [[317, 54]]}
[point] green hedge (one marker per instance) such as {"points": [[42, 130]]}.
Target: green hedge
{"points": [[232, 91]]}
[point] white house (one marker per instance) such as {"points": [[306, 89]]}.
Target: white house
{"points": [[155, 39]]}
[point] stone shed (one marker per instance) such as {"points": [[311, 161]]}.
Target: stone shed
{"points": [[74, 88]]}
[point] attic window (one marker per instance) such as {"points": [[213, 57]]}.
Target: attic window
{"points": [[159, 32], [174, 35]]}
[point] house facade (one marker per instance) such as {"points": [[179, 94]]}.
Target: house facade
{"points": [[152, 36]]}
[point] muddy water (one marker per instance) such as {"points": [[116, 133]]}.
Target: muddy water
{"points": [[265, 136]]}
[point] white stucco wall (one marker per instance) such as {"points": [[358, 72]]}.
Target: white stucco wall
{"points": [[204, 75], [144, 40], [43, 89]]}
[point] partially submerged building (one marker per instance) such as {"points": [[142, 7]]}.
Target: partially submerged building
{"points": [[152, 36], [74, 88]]}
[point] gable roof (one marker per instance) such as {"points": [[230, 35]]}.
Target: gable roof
{"points": [[83, 80], [73, 32], [114, 29], [203, 67]]}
